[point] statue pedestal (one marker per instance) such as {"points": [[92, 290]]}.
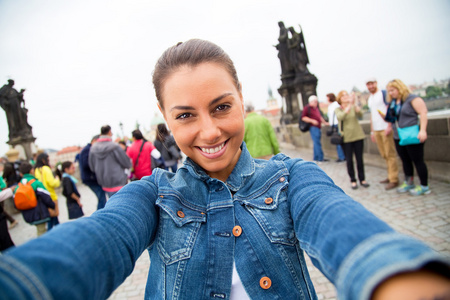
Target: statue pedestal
{"points": [[295, 90], [26, 147]]}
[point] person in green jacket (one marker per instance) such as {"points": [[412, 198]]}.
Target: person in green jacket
{"points": [[259, 135]]}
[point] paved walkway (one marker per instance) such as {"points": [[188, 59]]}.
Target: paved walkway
{"points": [[426, 218]]}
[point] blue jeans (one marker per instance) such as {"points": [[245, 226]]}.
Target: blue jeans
{"points": [[52, 223], [99, 192], [316, 134], [340, 151]]}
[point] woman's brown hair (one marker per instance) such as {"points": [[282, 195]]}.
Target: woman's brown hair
{"points": [[191, 53]]}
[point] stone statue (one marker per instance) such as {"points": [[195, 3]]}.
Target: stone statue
{"points": [[283, 51], [13, 103], [297, 52], [297, 83]]}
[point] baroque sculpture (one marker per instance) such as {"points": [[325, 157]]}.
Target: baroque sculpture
{"points": [[297, 82], [20, 133]]}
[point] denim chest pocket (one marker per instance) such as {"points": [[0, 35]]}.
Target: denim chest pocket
{"points": [[179, 224], [270, 208]]}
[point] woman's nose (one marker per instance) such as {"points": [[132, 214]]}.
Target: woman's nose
{"points": [[209, 131]]}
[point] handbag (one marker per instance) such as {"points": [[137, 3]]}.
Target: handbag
{"points": [[408, 135], [302, 125], [336, 137], [133, 178]]}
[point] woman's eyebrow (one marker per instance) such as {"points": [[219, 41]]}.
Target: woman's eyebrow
{"points": [[212, 103]]}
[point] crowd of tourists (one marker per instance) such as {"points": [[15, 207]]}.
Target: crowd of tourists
{"points": [[105, 168], [398, 124]]}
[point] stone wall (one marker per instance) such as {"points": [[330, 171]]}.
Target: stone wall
{"points": [[437, 146]]}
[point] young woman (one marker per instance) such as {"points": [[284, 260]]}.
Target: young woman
{"points": [[166, 145], [224, 226], [70, 191], [353, 134], [44, 174], [406, 109]]}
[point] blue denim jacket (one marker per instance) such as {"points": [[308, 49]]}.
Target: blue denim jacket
{"points": [[263, 218]]}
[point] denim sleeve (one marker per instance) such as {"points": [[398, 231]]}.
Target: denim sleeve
{"points": [[87, 258], [354, 249]]}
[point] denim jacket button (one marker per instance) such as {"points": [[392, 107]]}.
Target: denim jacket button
{"points": [[237, 230], [282, 179], [268, 201], [265, 282], [180, 214]]}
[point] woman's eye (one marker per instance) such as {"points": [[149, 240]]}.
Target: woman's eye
{"points": [[183, 116], [222, 107]]}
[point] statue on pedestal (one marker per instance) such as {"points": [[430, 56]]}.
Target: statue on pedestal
{"points": [[297, 82], [13, 103], [20, 134]]}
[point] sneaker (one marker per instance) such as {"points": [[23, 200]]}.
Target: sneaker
{"points": [[340, 160], [405, 187], [420, 190]]}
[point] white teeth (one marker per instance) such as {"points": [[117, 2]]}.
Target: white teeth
{"points": [[213, 150]]}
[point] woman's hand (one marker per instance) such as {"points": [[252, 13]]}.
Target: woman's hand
{"points": [[422, 136], [413, 286]]}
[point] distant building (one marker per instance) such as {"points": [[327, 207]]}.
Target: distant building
{"points": [[66, 154]]}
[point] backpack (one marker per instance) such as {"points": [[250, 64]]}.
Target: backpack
{"points": [[25, 197]]}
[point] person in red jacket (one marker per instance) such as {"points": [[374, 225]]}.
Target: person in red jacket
{"points": [[140, 153]]}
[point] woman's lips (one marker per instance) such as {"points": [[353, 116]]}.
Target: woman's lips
{"points": [[213, 152]]}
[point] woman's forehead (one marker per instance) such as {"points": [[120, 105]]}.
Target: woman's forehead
{"points": [[208, 80]]}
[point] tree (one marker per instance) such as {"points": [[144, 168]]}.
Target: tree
{"points": [[433, 92]]}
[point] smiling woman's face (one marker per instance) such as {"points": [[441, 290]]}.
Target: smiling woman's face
{"points": [[204, 110]]}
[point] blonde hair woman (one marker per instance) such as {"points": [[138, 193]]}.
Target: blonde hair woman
{"points": [[404, 110]]}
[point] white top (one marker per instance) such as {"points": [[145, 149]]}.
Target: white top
{"points": [[331, 108], [237, 289], [5, 194], [376, 103]]}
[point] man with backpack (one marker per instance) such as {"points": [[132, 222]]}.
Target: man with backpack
{"points": [[108, 161], [381, 132], [32, 199]]}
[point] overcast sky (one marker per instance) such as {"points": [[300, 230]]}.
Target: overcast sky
{"points": [[87, 63]]}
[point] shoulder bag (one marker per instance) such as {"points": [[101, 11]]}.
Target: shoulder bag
{"points": [[408, 135], [336, 137], [137, 160], [302, 125]]}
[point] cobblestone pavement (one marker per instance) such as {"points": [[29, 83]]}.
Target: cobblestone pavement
{"points": [[425, 217]]}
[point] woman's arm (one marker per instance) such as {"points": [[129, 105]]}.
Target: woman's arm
{"points": [[353, 248], [89, 257], [7, 193], [421, 109], [51, 180]]}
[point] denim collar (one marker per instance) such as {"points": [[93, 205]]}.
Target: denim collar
{"points": [[245, 167]]}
